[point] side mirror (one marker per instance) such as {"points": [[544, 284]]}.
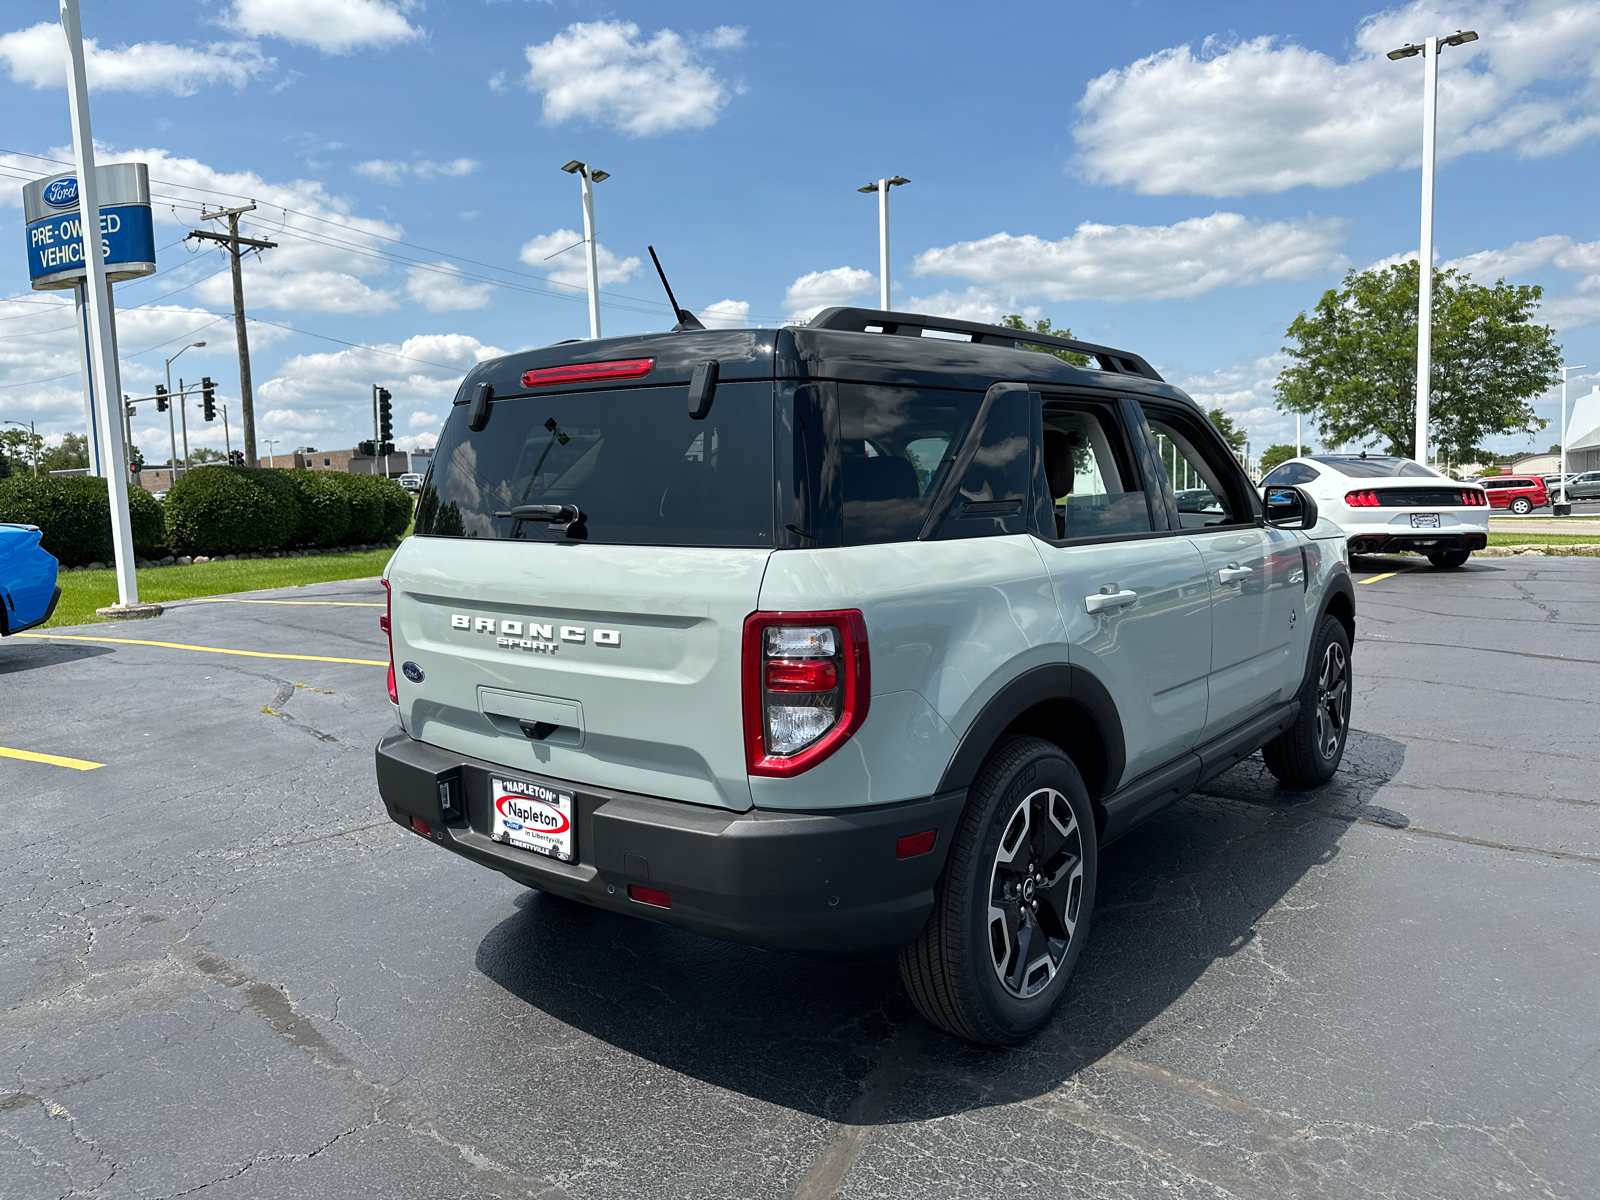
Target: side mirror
{"points": [[1289, 507]]}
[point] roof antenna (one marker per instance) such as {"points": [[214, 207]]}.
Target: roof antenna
{"points": [[686, 319]]}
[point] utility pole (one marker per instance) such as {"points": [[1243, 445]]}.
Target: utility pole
{"points": [[233, 241]]}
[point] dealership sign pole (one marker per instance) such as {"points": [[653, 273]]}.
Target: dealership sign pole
{"points": [[102, 363]]}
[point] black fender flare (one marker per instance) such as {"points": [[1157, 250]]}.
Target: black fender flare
{"points": [[1052, 681]]}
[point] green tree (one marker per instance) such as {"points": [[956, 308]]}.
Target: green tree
{"points": [[1042, 325], [1231, 432], [1355, 361], [1276, 456], [21, 445], [71, 455], [200, 454]]}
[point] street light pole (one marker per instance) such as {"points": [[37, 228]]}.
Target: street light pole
{"points": [[590, 176], [1563, 500], [882, 188], [271, 442], [171, 430], [33, 443], [1429, 49]]}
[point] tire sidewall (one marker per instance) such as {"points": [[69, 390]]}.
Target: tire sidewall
{"points": [[1043, 766]]}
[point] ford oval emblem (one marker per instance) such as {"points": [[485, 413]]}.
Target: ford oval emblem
{"points": [[62, 192], [412, 672]]}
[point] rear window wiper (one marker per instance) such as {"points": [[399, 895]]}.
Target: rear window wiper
{"points": [[569, 516]]}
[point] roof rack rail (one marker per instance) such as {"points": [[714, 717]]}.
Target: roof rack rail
{"points": [[873, 320]]}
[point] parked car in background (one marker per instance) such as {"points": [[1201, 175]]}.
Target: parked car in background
{"points": [[1386, 504], [28, 589], [412, 482], [1552, 483], [161, 495], [1520, 493], [1584, 487]]}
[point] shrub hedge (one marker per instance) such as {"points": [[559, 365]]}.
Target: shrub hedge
{"points": [[324, 508], [73, 514], [232, 510]]}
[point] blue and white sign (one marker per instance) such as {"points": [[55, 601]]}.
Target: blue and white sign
{"points": [[55, 230]]}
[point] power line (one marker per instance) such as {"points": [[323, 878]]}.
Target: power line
{"points": [[134, 354]]}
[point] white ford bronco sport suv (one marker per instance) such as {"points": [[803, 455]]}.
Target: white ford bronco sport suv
{"points": [[860, 635]]}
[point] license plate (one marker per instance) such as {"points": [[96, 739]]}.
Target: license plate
{"points": [[1424, 520], [531, 816]]}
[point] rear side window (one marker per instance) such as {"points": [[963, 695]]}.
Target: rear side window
{"points": [[896, 446], [1291, 473], [640, 469]]}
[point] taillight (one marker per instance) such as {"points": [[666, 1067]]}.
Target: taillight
{"points": [[386, 624], [1473, 498], [626, 368], [806, 685], [1361, 499]]}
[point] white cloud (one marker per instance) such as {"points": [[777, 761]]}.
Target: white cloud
{"points": [[332, 26], [1245, 392], [1264, 115], [1144, 262], [605, 71], [1564, 311], [440, 287], [562, 254], [418, 420], [975, 304], [725, 314], [810, 294], [36, 56], [393, 171]]}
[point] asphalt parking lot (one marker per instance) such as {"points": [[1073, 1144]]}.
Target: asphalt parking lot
{"points": [[225, 973]]}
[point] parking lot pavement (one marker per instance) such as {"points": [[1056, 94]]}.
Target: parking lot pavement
{"points": [[225, 973]]}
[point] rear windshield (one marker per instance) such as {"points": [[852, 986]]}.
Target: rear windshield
{"points": [[640, 469], [1378, 467]]}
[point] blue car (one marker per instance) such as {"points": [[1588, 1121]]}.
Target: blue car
{"points": [[28, 589]]}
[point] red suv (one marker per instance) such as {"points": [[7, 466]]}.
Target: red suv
{"points": [[1520, 493]]}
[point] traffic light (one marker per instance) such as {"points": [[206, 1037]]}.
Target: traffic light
{"points": [[208, 398], [161, 397], [367, 448], [236, 458], [385, 416]]}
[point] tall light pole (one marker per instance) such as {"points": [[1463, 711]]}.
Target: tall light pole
{"points": [[271, 442], [1563, 500], [33, 445], [1429, 49], [882, 188], [590, 176], [172, 432]]}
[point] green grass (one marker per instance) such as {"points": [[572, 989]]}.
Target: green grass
{"points": [[84, 591], [1542, 539]]}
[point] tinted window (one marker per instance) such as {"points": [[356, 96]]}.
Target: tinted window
{"points": [[896, 447], [632, 460], [1291, 473], [1378, 467], [1090, 474]]}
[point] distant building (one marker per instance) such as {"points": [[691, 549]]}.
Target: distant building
{"points": [[1583, 433]]}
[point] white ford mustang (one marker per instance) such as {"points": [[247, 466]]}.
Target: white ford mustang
{"points": [[1387, 504]]}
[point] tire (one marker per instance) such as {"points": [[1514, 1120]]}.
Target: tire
{"points": [[1522, 506], [970, 971], [1449, 558], [1309, 752]]}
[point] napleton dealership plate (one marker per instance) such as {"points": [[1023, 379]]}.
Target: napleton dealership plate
{"points": [[533, 817], [1424, 520]]}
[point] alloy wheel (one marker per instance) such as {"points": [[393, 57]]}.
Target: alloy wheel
{"points": [[1333, 700], [1035, 892]]}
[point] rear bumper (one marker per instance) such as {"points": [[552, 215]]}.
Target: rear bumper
{"points": [[814, 882], [1422, 541]]}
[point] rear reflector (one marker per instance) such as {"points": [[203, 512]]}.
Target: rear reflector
{"points": [[422, 826], [646, 895], [915, 844], [626, 368]]}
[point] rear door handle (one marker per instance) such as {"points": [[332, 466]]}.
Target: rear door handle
{"points": [[1233, 572], [1102, 601]]}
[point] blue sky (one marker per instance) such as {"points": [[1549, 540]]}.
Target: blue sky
{"points": [[1178, 179]]}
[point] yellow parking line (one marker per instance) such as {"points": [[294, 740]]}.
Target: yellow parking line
{"points": [[54, 760], [67, 637], [1385, 575], [319, 603]]}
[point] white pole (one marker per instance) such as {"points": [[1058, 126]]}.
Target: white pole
{"points": [[1297, 435], [1563, 483], [883, 244], [1430, 116], [91, 415], [594, 261], [102, 369]]}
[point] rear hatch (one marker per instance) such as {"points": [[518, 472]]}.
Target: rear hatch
{"points": [[603, 650]]}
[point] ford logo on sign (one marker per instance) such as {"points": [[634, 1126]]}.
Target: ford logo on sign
{"points": [[62, 192]]}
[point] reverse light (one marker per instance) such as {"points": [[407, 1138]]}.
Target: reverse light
{"points": [[385, 623], [807, 681], [645, 895], [1366, 499], [623, 368]]}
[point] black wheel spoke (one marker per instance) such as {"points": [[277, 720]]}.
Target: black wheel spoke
{"points": [[1034, 886]]}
